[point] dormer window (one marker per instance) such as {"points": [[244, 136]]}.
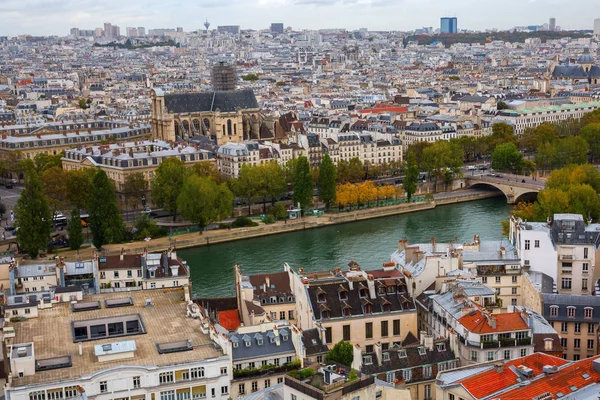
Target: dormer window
{"points": [[264, 301], [343, 295], [554, 311], [346, 312], [281, 299], [325, 314], [387, 307], [391, 289], [273, 299], [284, 336], [260, 342], [290, 299], [363, 293], [587, 312], [571, 312], [386, 356], [272, 339], [441, 346], [235, 344], [381, 290], [367, 360], [368, 308], [247, 343], [422, 351], [402, 353], [321, 298]]}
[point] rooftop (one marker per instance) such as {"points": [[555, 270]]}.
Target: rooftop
{"points": [[477, 322], [164, 321]]}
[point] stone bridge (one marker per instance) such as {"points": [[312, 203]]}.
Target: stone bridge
{"points": [[514, 191]]}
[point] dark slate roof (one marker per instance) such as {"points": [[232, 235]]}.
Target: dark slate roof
{"points": [[539, 342], [566, 300], [474, 99], [312, 342], [397, 301], [423, 127], [279, 286], [68, 289], [225, 101], [267, 348], [569, 71], [572, 231], [412, 360]]}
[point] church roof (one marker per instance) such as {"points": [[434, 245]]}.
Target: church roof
{"points": [[569, 71], [225, 101]]}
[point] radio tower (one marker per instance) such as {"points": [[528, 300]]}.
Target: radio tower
{"points": [[207, 24]]}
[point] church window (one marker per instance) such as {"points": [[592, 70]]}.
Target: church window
{"points": [[229, 127]]}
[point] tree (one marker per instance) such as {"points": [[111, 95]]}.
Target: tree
{"points": [[45, 161], [75, 230], [78, 183], [248, 185], [279, 211], [506, 157], [570, 150], [591, 134], [273, 181], [207, 169], [418, 148], [32, 216], [411, 175], [250, 77], [544, 157], [342, 352], [167, 183], [144, 227], [501, 133], [326, 183], [83, 104], [591, 118], [501, 105], [134, 188], [105, 218], [303, 183], [203, 201], [54, 182], [356, 170]]}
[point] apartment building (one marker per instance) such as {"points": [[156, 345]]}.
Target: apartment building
{"points": [[128, 272], [264, 297], [430, 132], [29, 278], [576, 319], [361, 307], [111, 346]]}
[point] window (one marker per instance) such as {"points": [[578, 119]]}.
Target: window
{"points": [[223, 370], [523, 352], [513, 302], [563, 342], [585, 268], [563, 327], [585, 252], [536, 244], [39, 395], [566, 283], [136, 382], [570, 311], [102, 275], [167, 395], [280, 380], [427, 371], [196, 373], [276, 362], [514, 290], [288, 359], [384, 328], [71, 391], [152, 285], [369, 330], [251, 364], [490, 356], [514, 279], [474, 356], [553, 311], [254, 386], [590, 328], [242, 388], [328, 338], [484, 279], [224, 390], [396, 327], [369, 348], [527, 244], [427, 392], [406, 374], [576, 357], [294, 397], [584, 285], [576, 343], [129, 273], [165, 377], [281, 314], [498, 280], [346, 332], [386, 356], [291, 314], [320, 359], [267, 383], [139, 273], [367, 360], [104, 387], [590, 344], [577, 327], [507, 354], [116, 274]]}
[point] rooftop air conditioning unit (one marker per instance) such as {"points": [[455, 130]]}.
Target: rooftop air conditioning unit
{"points": [[21, 351]]}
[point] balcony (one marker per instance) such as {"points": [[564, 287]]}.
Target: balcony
{"points": [[566, 256], [266, 370], [524, 341]]}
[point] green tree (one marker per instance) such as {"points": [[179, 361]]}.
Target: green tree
{"points": [[273, 181], [144, 227], [33, 216], [571, 150], [134, 188], [342, 352], [248, 185], [167, 183], [418, 148], [203, 201], [574, 175], [506, 157], [303, 183], [591, 118], [78, 183], [326, 183], [544, 156], [591, 134], [75, 230], [45, 161], [411, 175], [54, 183], [105, 220], [250, 77], [279, 211], [207, 169], [501, 105], [83, 104], [356, 170]]}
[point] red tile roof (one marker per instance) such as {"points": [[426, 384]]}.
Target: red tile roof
{"points": [[229, 319], [565, 380], [478, 323], [492, 381]]}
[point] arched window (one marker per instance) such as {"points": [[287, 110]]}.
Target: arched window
{"points": [[229, 127], [177, 128], [224, 131], [186, 126], [196, 124], [235, 129]]}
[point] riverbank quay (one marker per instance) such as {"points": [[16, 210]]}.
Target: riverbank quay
{"points": [[208, 238]]}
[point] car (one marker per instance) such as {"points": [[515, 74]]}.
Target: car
{"points": [[147, 210], [9, 228], [471, 167], [490, 174], [8, 185], [499, 176]]}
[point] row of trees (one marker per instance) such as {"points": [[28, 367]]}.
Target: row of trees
{"points": [[358, 193]]}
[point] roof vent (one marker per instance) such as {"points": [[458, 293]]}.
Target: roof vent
{"points": [[526, 371], [550, 369], [22, 351]]}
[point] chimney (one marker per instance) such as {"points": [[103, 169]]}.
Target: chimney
{"points": [[433, 244], [491, 321], [402, 245], [378, 352], [267, 282], [122, 255], [174, 270], [499, 367]]}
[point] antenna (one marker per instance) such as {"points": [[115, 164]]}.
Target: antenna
{"points": [[207, 24]]}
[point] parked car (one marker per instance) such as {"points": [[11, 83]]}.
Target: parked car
{"points": [[499, 176], [8, 185]]}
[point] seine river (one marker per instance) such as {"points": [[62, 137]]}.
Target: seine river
{"points": [[369, 243]]}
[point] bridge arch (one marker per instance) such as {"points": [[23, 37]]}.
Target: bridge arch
{"points": [[527, 196], [488, 186]]}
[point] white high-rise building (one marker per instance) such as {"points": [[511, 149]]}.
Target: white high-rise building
{"points": [[552, 24], [597, 27]]}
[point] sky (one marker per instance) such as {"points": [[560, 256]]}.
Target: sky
{"points": [[57, 17]]}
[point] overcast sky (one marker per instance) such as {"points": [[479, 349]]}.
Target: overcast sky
{"points": [[46, 17]]}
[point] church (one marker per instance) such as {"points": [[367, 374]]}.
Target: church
{"points": [[227, 115], [583, 72]]}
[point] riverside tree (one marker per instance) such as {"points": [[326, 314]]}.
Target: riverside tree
{"points": [[326, 183], [105, 218], [167, 183], [75, 230], [411, 176], [203, 201], [33, 216], [303, 183], [134, 188], [506, 157]]}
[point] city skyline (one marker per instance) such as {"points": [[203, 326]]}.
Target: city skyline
{"points": [[56, 18]]}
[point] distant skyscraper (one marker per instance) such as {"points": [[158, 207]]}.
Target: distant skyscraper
{"points": [[597, 27], [141, 31], [233, 29], [449, 25], [98, 32], [277, 27], [223, 77], [75, 32], [108, 31], [116, 31], [552, 24], [131, 31]]}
